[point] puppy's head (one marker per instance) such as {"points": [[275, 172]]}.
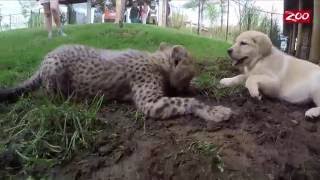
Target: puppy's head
{"points": [[249, 47], [182, 65]]}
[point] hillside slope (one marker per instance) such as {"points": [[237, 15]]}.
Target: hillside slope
{"points": [[22, 50]]}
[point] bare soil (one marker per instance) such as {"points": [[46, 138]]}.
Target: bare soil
{"points": [[265, 139]]}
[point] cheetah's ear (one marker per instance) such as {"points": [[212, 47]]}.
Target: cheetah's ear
{"points": [[178, 53], [164, 45]]}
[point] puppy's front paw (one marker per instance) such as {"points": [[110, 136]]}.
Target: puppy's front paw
{"points": [[226, 82], [254, 92], [313, 112]]}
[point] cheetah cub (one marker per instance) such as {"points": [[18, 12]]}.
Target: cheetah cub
{"points": [[142, 77]]}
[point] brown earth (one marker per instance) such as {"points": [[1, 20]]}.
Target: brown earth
{"points": [[264, 139]]}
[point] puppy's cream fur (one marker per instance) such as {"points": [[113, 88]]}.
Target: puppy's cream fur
{"points": [[267, 70]]}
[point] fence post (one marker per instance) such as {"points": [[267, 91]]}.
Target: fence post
{"points": [[89, 11], [39, 19], [31, 19], [249, 21], [10, 21]]}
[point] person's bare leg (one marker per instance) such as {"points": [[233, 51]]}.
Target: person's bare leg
{"points": [[48, 19], [54, 6]]}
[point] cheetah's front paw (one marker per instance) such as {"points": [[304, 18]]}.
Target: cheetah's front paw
{"points": [[221, 113], [216, 114]]}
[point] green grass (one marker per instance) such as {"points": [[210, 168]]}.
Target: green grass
{"points": [[211, 73], [44, 132], [22, 50], [210, 151]]}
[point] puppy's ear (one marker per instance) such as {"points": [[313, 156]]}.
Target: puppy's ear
{"points": [[264, 43], [164, 45], [178, 53]]}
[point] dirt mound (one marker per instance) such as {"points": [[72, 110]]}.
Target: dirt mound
{"points": [[263, 140]]}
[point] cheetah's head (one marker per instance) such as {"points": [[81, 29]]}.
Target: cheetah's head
{"points": [[182, 65]]}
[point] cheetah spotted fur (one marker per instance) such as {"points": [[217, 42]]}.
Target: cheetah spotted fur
{"points": [[142, 77]]}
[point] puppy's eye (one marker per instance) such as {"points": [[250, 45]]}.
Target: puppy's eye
{"points": [[243, 43], [176, 61]]}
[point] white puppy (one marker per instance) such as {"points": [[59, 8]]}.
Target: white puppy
{"points": [[267, 70]]}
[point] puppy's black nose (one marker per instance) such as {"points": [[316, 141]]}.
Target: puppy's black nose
{"points": [[230, 51]]}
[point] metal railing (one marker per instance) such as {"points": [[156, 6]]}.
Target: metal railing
{"points": [[23, 20]]}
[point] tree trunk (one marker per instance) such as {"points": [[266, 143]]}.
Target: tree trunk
{"points": [[120, 8], [221, 12], [227, 30], [240, 18], [163, 4], [290, 30], [305, 42], [315, 40], [71, 14], [271, 25], [199, 16], [293, 36], [299, 41], [299, 36], [201, 12], [249, 21]]}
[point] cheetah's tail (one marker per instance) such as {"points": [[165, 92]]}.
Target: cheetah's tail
{"points": [[11, 94]]}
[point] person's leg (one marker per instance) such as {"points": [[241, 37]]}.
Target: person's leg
{"points": [[144, 19], [54, 6], [48, 18]]}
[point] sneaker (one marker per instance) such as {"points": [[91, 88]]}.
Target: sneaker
{"points": [[61, 33]]}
